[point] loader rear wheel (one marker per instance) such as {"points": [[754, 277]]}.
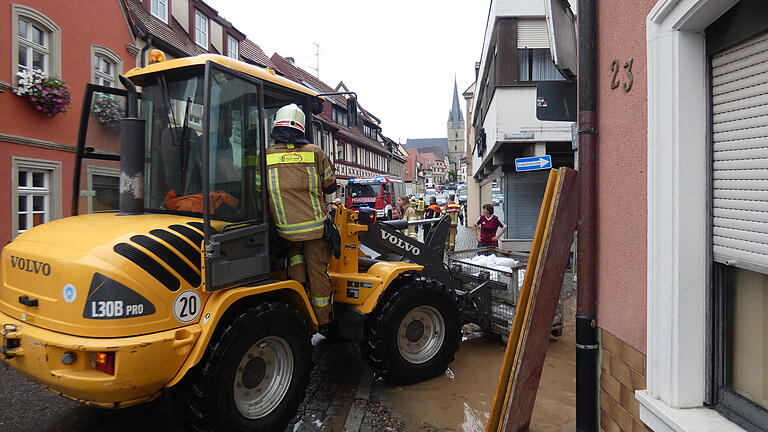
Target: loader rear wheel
{"points": [[253, 376], [414, 333]]}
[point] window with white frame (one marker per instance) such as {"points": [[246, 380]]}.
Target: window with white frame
{"points": [[233, 47], [36, 197], [36, 41], [159, 8], [106, 66], [201, 29], [104, 184]]}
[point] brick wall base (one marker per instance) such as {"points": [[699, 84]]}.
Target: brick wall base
{"points": [[622, 372]]}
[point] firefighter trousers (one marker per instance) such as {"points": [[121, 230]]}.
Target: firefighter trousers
{"points": [[450, 242], [308, 261]]}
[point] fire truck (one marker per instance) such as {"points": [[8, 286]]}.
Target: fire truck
{"points": [[379, 193]]}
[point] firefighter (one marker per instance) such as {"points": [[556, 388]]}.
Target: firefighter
{"points": [[433, 211], [298, 175], [420, 208], [452, 209], [407, 213]]}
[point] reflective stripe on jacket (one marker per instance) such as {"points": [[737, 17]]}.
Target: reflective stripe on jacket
{"points": [[296, 177], [453, 209]]}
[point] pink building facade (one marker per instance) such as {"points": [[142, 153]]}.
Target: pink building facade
{"points": [[682, 244]]}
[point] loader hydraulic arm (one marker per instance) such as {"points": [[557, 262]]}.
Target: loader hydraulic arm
{"points": [[385, 238]]}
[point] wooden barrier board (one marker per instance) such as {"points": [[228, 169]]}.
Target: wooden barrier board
{"points": [[527, 345]]}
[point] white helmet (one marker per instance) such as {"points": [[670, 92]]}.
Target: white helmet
{"points": [[290, 116]]}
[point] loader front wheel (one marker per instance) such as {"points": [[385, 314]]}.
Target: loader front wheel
{"points": [[253, 376], [414, 333]]}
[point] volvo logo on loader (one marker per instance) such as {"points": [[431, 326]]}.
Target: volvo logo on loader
{"points": [[30, 265], [402, 244]]}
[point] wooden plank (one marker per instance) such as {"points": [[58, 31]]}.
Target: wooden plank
{"points": [[498, 407], [543, 304], [525, 312]]}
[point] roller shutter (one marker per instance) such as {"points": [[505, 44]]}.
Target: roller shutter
{"points": [[523, 194], [740, 155], [532, 34]]}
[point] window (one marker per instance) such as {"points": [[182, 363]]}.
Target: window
{"points": [[233, 49], [106, 66], [36, 193], [159, 8], [339, 150], [340, 116], [369, 131], [104, 187], [536, 65], [201, 29], [36, 42], [354, 154]]}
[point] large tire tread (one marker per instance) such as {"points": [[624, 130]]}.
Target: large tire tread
{"points": [[377, 347], [195, 400]]}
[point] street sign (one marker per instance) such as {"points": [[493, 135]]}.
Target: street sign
{"points": [[533, 163]]}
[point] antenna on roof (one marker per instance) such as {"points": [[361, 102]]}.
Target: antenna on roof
{"points": [[317, 59]]}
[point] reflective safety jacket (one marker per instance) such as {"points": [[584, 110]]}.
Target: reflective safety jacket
{"points": [[297, 176], [420, 205], [453, 209]]}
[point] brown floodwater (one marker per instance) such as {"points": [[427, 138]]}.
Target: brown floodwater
{"points": [[461, 399]]}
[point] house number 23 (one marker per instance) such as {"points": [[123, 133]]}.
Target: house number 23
{"points": [[627, 66]]}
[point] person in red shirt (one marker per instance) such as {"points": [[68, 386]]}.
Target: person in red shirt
{"points": [[486, 227]]}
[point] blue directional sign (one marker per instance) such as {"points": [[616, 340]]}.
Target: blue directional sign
{"points": [[533, 163]]}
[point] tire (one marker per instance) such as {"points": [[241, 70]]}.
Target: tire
{"points": [[213, 395], [397, 343]]}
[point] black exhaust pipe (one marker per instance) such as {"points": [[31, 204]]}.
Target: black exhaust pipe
{"points": [[131, 155]]}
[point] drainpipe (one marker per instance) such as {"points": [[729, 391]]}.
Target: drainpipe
{"points": [[144, 50], [587, 346]]}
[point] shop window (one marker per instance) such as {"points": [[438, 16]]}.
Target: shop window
{"points": [[159, 9], [36, 193], [36, 42]]}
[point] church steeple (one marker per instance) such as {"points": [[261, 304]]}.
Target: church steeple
{"points": [[455, 117]]}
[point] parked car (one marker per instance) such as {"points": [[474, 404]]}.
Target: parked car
{"points": [[497, 199]]}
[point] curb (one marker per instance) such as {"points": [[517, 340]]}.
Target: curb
{"points": [[356, 412]]}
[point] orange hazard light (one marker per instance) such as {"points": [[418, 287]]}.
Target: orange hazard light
{"points": [[104, 361], [156, 56]]}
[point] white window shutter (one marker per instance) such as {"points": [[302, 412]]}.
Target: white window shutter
{"points": [[532, 34], [740, 155]]}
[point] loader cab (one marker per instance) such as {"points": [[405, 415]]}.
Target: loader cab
{"points": [[207, 124]]}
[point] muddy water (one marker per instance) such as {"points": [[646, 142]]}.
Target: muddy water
{"points": [[461, 399]]}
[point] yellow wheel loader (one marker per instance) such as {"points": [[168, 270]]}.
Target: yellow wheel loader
{"points": [[178, 281]]}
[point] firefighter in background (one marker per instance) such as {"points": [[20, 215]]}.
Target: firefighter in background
{"points": [[407, 213], [432, 211], [420, 208], [298, 175], [453, 210]]}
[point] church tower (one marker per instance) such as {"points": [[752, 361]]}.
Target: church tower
{"points": [[456, 147]]}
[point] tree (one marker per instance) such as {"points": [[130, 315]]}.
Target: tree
{"points": [[452, 176]]}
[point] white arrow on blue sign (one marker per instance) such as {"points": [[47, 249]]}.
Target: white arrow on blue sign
{"points": [[533, 163]]}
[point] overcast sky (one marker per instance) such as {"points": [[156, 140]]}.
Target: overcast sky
{"points": [[399, 56]]}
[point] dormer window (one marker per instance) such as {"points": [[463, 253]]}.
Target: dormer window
{"points": [[233, 46], [369, 131], [159, 9], [340, 116], [201, 29]]}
